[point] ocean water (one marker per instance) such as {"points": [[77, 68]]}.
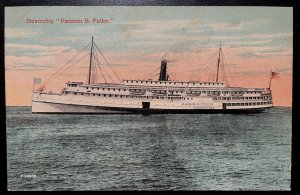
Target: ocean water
{"points": [[154, 152]]}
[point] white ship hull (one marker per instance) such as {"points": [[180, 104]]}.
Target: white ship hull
{"points": [[60, 108], [39, 107]]}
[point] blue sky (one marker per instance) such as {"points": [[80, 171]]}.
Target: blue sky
{"points": [[153, 28]]}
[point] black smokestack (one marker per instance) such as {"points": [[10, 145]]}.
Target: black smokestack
{"points": [[163, 71]]}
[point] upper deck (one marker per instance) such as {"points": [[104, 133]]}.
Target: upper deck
{"points": [[169, 85], [155, 83]]}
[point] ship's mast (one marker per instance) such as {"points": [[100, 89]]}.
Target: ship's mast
{"points": [[90, 68], [218, 64]]}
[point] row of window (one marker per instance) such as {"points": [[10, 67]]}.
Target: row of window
{"points": [[243, 98], [108, 89], [163, 91], [214, 98], [124, 96], [248, 104], [161, 82], [157, 97]]}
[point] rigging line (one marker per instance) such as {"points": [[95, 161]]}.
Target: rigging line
{"points": [[230, 74], [207, 62], [215, 54], [223, 64], [213, 78], [107, 62], [95, 73], [60, 71], [66, 64], [172, 78], [223, 68], [66, 69], [170, 73], [49, 80], [148, 74], [152, 75], [157, 70], [212, 74], [87, 77], [156, 74], [96, 76], [91, 70], [98, 64], [210, 65], [209, 78], [207, 69], [224, 76], [105, 71]]}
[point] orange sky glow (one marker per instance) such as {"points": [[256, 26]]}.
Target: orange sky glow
{"points": [[182, 69]]}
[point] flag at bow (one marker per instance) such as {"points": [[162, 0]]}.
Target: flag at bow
{"points": [[275, 75], [36, 81]]}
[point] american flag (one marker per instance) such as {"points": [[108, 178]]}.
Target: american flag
{"points": [[275, 75]]}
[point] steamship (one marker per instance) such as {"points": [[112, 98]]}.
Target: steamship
{"points": [[162, 95]]}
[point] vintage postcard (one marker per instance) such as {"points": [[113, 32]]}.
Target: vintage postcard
{"points": [[148, 98]]}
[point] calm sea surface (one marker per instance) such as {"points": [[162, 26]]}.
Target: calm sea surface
{"points": [[155, 152]]}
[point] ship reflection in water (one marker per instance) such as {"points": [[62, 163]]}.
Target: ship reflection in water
{"points": [[161, 165], [154, 152]]}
